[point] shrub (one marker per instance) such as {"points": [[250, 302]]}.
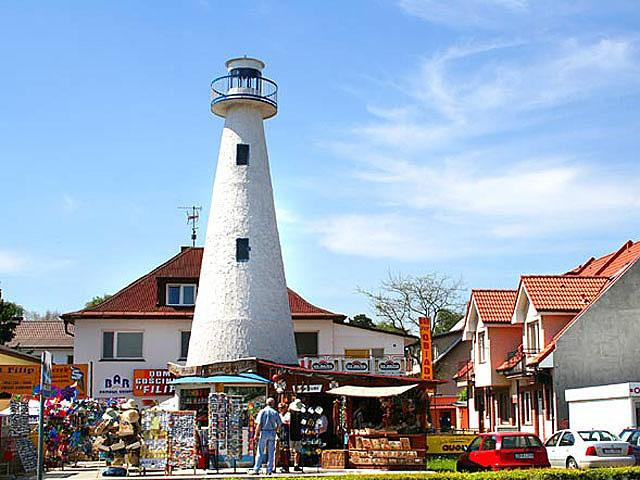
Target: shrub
{"points": [[627, 473]]}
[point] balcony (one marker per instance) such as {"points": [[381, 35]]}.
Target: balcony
{"points": [[397, 365], [237, 88], [516, 363]]}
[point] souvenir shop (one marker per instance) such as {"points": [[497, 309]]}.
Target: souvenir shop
{"points": [[337, 420], [225, 408]]}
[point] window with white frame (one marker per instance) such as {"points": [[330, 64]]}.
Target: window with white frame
{"points": [[533, 334], [181, 294], [481, 347], [121, 345], [526, 407]]}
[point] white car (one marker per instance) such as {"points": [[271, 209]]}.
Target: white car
{"points": [[588, 448]]}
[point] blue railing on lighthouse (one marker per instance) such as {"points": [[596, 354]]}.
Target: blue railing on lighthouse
{"points": [[236, 86]]}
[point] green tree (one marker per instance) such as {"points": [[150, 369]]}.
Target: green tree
{"points": [[361, 320], [95, 301], [10, 317], [389, 327], [445, 320]]}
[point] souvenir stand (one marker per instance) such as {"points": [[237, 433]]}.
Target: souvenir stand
{"points": [[385, 429], [68, 428], [168, 440], [226, 406], [154, 455], [21, 444], [331, 437], [183, 440], [395, 408]]}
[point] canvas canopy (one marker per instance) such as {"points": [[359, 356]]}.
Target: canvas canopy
{"points": [[353, 391]]}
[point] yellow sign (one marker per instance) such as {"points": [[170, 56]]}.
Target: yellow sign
{"points": [[447, 444], [23, 379]]}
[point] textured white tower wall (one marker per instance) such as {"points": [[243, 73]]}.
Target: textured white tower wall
{"points": [[242, 308]]}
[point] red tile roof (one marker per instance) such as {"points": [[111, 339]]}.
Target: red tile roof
{"points": [[512, 361], [41, 334], [140, 298], [465, 371], [494, 306], [562, 293], [536, 359], [610, 264]]}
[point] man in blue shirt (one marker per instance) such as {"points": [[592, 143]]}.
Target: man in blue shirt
{"points": [[268, 424]]}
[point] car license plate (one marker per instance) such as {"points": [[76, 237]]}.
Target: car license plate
{"points": [[524, 456], [611, 450]]}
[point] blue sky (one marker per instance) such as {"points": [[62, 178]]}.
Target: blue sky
{"points": [[479, 138]]}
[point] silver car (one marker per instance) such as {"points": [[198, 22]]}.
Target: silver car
{"points": [[588, 448]]}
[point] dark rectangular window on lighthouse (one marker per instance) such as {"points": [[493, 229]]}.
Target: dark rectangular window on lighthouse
{"points": [[242, 249], [242, 154]]}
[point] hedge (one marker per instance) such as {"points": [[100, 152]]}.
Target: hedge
{"points": [[627, 473]]}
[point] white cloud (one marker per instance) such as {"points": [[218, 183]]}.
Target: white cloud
{"points": [[11, 262], [446, 167], [69, 204], [17, 263], [395, 235], [286, 216], [458, 13]]}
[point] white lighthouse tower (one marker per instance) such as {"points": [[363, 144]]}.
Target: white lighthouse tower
{"points": [[242, 307]]}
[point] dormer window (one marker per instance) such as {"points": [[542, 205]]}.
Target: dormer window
{"points": [[181, 294]]}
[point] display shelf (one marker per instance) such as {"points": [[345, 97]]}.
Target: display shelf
{"points": [[387, 450]]}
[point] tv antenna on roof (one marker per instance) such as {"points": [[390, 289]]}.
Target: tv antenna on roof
{"points": [[193, 217]]}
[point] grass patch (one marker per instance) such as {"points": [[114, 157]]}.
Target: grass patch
{"points": [[442, 463], [626, 473]]}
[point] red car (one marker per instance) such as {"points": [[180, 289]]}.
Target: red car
{"points": [[497, 451]]}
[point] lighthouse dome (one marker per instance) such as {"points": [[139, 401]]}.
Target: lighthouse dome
{"points": [[244, 84]]}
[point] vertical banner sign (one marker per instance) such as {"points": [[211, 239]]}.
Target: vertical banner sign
{"points": [[425, 347], [47, 374]]}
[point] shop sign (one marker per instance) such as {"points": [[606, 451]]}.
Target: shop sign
{"points": [[229, 368], [389, 366], [356, 365], [425, 347], [447, 444], [323, 365], [115, 386], [152, 382], [181, 370], [23, 379], [308, 388], [634, 389]]}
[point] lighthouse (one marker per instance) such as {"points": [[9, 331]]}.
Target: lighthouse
{"points": [[242, 306]]}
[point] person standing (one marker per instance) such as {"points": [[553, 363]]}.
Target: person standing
{"points": [[283, 439], [296, 409], [268, 424]]}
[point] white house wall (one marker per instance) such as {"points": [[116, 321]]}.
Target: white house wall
{"points": [[160, 344], [346, 337], [324, 328]]}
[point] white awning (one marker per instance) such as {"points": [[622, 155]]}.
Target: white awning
{"points": [[351, 391]]}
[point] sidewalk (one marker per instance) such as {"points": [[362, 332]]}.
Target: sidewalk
{"points": [[91, 471]]}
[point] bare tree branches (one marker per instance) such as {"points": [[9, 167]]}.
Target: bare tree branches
{"points": [[402, 299]]}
